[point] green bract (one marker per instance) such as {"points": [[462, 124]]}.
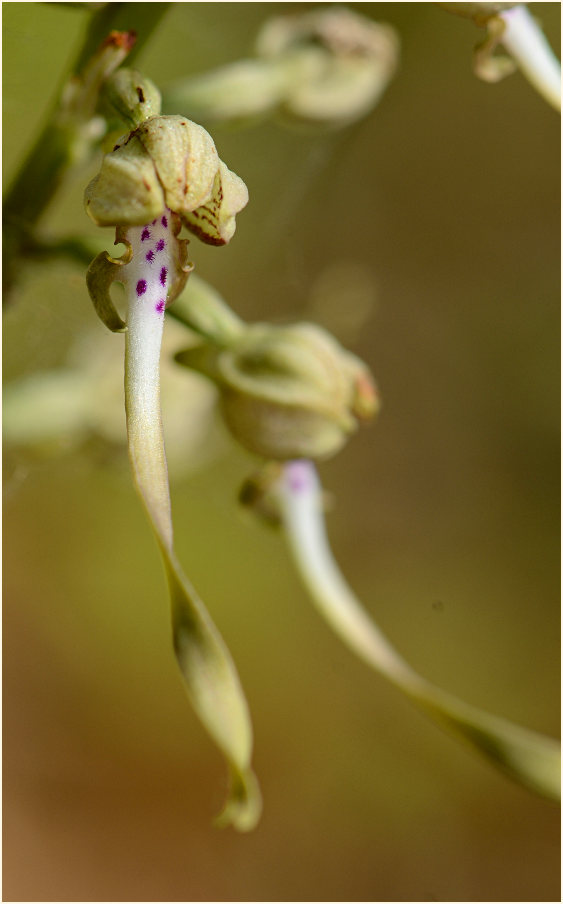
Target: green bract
{"points": [[167, 162]]}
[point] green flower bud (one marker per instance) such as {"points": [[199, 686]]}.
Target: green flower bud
{"points": [[341, 62], [133, 96], [167, 162], [288, 392]]}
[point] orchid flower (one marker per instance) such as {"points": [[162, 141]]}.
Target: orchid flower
{"points": [[293, 395], [163, 174]]}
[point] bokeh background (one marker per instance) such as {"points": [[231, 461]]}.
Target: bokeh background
{"points": [[427, 237]]}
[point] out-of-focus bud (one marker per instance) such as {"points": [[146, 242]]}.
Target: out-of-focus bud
{"points": [[240, 91], [329, 67], [133, 96], [288, 392], [167, 162], [342, 62]]}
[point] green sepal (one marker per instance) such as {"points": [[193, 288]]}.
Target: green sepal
{"points": [[214, 222], [100, 274]]}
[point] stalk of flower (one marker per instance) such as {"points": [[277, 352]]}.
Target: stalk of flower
{"points": [[163, 174]]}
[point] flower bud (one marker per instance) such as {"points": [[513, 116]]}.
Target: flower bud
{"points": [[167, 162], [133, 96], [342, 62], [288, 392], [327, 66]]}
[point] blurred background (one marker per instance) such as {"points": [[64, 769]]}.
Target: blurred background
{"points": [[426, 236]]}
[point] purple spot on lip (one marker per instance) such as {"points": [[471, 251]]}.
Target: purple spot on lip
{"points": [[160, 245], [149, 256], [163, 273], [141, 287], [160, 305], [145, 234], [164, 222], [153, 222], [298, 476]]}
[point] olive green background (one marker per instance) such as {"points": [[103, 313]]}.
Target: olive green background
{"points": [[442, 208]]}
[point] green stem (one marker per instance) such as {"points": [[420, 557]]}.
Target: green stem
{"points": [[70, 134]]}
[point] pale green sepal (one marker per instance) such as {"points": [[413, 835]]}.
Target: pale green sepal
{"points": [[132, 95], [213, 685], [100, 274], [127, 190], [185, 158], [214, 222]]}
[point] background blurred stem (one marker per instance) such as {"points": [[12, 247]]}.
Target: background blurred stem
{"points": [[70, 134]]}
